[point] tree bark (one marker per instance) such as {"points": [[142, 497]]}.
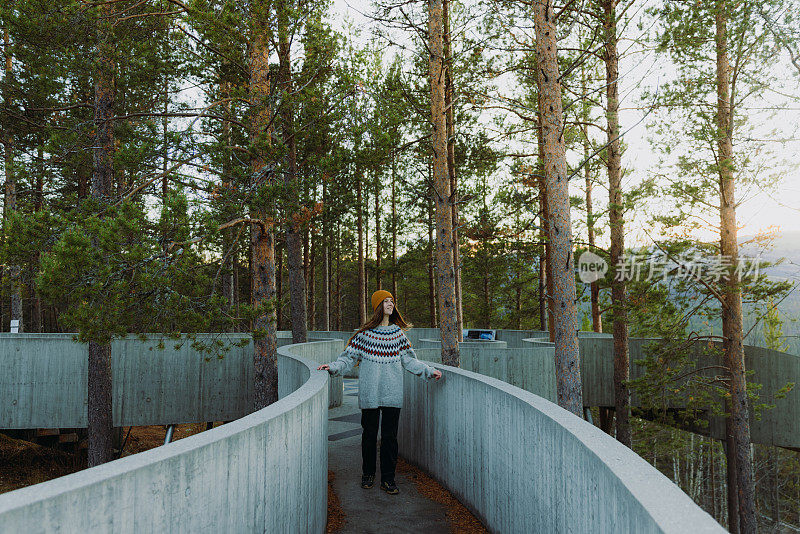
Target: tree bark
{"points": [[594, 287], [362, 293], [377, 233], [262, 238], [617, 223], [448, 313], [99, 376], [451, 160], [732, 305], [294, 246], [730, 471], [431, 273], [14, 271], [394, 228], [338, 308], [228, 251], [306, 240], [279, 283], [568, 374], [545, 230], [36, 305], [542, 282], [165, 142], [326, 261], [312, 280]]}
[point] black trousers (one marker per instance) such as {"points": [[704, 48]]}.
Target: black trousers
{"points": [[369, 439]]}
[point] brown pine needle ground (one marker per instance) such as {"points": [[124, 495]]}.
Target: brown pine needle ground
{"points": [[23, 463], [461, 520], [336, 515]]}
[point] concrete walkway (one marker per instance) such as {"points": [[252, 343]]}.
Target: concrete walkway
{"points": [[372, 510]]}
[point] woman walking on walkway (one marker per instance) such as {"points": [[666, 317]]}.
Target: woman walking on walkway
{"points": [[384, 351]]}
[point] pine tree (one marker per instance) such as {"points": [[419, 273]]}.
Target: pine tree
{"points": [[568, 374]]}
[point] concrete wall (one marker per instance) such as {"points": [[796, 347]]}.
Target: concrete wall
{"points": [[266, 472], [514, 338], [427, 343], [43, 381], [531, 368], [523, 464], [779, 426]]}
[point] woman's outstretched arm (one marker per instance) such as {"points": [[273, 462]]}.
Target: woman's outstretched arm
{"points": [[416, 366], [344, 362]]}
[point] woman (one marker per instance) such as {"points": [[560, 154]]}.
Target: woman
{"points": [[383, 350]]}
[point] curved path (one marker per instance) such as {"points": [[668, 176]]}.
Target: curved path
{"points": [[520, 462], [372, 510]]}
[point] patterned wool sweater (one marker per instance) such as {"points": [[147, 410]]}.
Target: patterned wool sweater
{"points": [[383, 351]]}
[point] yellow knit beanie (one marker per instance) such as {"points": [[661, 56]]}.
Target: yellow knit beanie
{"points": [[378, 297]]}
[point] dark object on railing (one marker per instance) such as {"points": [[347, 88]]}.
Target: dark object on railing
{"points": [[479, 335]]}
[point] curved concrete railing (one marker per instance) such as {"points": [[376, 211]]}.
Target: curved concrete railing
{"points": [[427, 343], [43, 380], [530, 367], [523, 464], [266, 472]]}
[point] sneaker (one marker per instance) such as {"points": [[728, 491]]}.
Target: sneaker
{"points": [[367, 481], [390, 487]]}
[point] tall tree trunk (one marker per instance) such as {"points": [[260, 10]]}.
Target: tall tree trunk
{"points": [[394, 228], [488, 311], [165, 142], [311, 245], [448, 313], [312, 283], [377, 233], [99, 376], [545, 230], [279, 284], [730, 471], [262, 236], [451, 159], [294, 252], [362, 293], [732, 305], [431, 272], [568, 373], [367, 294], [306, 240], [617, 222], [594, 287], [338, 302], [14, 271], [36, 308], [326, 261], [228, 234], [542, 282]]}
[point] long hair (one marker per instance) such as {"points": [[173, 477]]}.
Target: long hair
{"points": [[377, 318]]}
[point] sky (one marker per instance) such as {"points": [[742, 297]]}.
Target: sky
{"points": [[762, 210]]}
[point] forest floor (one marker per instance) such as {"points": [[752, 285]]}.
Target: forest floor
{"points": [[23, 463]]}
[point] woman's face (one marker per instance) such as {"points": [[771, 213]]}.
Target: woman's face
{"points": [[388, 306]]}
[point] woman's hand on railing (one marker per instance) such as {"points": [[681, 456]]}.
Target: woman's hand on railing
{"points": [[324, 367], [437, 374]]}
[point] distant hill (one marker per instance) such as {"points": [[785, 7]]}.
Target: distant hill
{"points": [[786, 247]]}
